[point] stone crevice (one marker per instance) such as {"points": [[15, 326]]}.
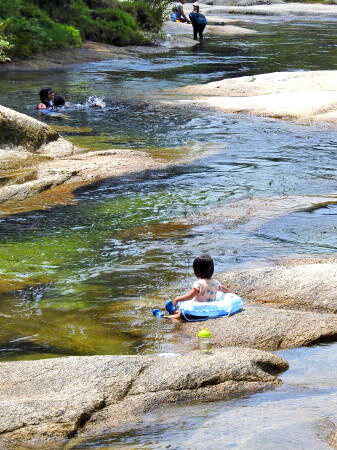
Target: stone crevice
{"points": [[85, 417]]}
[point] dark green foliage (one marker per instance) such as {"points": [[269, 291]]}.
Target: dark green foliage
{"points": [[30, 26], [150, 17]]}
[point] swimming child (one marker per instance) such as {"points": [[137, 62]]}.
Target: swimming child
{"points": [[48, 99], [204, 289]]}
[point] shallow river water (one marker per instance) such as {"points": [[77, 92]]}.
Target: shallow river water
{"points": [[92, 271]]}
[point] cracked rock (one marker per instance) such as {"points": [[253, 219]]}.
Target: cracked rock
{"points": [[52, 400]]}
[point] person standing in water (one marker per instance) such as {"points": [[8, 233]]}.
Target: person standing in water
{"points": [[198, 21]]}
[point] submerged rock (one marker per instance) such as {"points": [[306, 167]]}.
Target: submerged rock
{"points": [[269, 329], [310, 287], [54, 400]]}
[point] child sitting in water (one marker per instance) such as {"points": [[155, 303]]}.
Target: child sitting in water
{"points": [[204, 289]]}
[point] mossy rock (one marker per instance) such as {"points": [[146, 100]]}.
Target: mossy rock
{"points": [[19, 130]]}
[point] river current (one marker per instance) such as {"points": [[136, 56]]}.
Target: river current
{"points": [[98, 266]]}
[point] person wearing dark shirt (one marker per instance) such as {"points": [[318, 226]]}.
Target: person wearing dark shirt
{"points": [[198, 21]]}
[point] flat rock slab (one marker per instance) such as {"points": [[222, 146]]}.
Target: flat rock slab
{"points": [[179, 31], [281, 9], [250, 213], [56, 399], [268, 83], [310, 287], [309, 105], [289, 95], [269, 329]]}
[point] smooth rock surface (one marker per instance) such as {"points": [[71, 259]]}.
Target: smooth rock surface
{"points": [[181, 34], [19, 130], [56, 399], [274, 9], [269, 329], [290, 95], [333, 440], [311, 286]]}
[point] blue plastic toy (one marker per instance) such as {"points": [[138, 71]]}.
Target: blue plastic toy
{"points": [[157, 313]]}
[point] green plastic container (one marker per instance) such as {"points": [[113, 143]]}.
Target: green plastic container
{"points": [[205, 343]]}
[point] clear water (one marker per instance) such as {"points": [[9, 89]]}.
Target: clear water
{"points": [[87, 275], [82, 279]]}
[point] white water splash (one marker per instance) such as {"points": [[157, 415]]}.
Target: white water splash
{"points": [[95, 102]]}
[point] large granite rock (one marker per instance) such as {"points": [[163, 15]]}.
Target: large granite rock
{"points": [[19, 130], [291, 95], [311, 286], [269, 328], [48, 401]]}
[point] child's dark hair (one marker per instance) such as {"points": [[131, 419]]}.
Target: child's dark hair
{"points": [[203, 267], [44, 93], [59, 101]]}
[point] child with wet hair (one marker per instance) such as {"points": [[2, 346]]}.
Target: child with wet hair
{"points": [[48, 99], [204, 289]]}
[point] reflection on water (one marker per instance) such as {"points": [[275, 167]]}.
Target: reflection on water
{"points": [[82, 279]]}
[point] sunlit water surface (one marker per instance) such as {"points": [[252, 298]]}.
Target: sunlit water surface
{"points": [[92, 271]]}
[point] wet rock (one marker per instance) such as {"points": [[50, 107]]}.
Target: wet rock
{"points": [[310, 287], [269, 328], [53, 400], [250, 213], [26, 190]]}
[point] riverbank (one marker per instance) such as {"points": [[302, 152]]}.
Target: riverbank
{"points": [[174, 35]]}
